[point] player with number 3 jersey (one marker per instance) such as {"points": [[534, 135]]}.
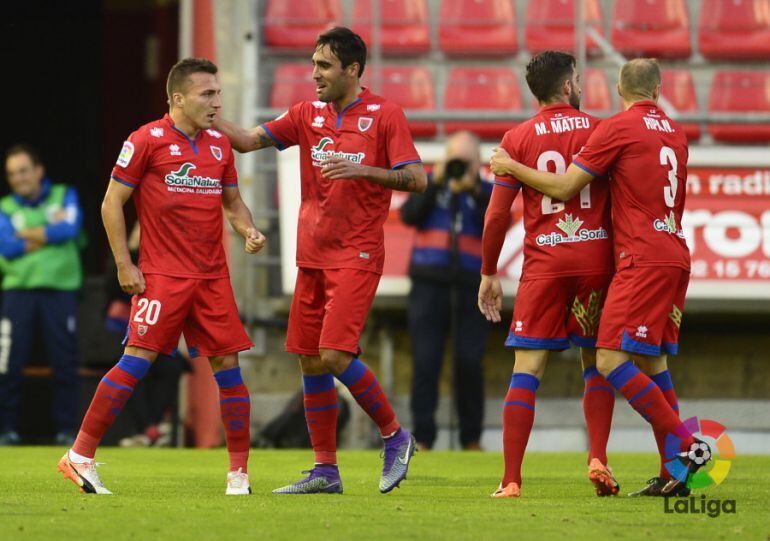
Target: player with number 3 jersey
{"points": [[644, 152], [567, 266]]}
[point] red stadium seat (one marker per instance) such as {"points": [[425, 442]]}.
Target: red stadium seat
{"points": [[735, 29], [678, 88], [411, 88], [292, 83], [404, 23], [550, 24], [658, 28], [740, 91], [482, 88], [596, 97], [296, 24], [478, 27]]}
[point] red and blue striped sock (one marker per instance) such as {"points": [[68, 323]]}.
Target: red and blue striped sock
{"points": [[666, 385], [321, 406], [648, 400], [366, 390], [111, 395], [598, 404], [235, 406], [518, 417]]}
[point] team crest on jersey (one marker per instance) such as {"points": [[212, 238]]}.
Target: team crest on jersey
{"points": [[364, 123], [216, 152], [174, 150], [125, 154], [156, 132], [142, 330]]}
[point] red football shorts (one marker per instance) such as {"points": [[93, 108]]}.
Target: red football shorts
{"points": [[644, 310], [549, 313], [329, 309], [204, 310]]}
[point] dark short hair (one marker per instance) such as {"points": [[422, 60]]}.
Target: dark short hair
{"points": [[23, 148], [177, 77], [547, 71], [346, 45]]}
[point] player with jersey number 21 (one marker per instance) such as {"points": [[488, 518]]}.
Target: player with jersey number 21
{"points": [[567, 268], [181, 174], [644, 152]]}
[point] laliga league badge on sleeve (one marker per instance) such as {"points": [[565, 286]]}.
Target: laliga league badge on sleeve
{"points": [[126, 153], [364, 123], [217, 152]]}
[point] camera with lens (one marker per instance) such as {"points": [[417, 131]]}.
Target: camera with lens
{"points": [[455, 168]]}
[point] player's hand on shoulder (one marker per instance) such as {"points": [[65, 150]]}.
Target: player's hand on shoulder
{"points": [[340, 168], [254, 241], [131, 279], [500, 162], [490, 298]]}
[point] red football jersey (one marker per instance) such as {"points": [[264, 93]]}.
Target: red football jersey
{"points": [[340, 221], [569, 238], [645, 154], [178, 197]]}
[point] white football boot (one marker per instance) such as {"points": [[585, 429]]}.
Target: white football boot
{"points": [[237, 483], [83, 475]]}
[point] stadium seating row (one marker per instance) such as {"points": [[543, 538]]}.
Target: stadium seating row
{"points": [[727, 29], [498, 88]]}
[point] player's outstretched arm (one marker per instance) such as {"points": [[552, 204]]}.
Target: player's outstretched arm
{"points": [[409, 178], [129, 276], [244, 140], [239, 216], [561, 187]]}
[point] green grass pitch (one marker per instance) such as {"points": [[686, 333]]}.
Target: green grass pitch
{"points": [[179, 494]]}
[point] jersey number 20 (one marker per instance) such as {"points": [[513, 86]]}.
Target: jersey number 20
{"points": [[152, 309]]}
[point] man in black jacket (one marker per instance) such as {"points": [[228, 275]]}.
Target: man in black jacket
{"points": [[444, 268]]}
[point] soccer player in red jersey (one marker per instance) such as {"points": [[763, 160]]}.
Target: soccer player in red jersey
{"points": [[181, 174], [567, 267], [645, 154], [355, 147]]}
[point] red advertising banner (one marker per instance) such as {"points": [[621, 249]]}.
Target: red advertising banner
{"points": [[726, 222]]}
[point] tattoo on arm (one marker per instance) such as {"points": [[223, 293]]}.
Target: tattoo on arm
{"points": [[262, 139], [403, 180]]}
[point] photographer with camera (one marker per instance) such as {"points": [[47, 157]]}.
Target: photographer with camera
{"points": [[445, 271]]}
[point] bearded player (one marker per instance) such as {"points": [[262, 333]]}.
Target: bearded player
{"points": [[355, 148], [645, 155], [181, 175], [567, 268]]}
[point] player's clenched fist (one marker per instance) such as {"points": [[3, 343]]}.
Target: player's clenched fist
{"points": [[500, 161], [254, 241], [131, 279], [490, 298]]}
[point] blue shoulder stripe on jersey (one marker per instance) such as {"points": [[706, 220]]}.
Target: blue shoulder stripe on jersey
{"points": [[125, 182], [586, 169], [506, 185], [402, 164], [278, 144]]}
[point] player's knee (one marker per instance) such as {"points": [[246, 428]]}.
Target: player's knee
{"points": [[142, 353], [587, 357], [312, 365], [607, 360], [224, 362], [335, 361]]}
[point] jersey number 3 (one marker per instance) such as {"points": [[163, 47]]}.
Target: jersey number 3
{"points": [[668, 157], [560, 164]]}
